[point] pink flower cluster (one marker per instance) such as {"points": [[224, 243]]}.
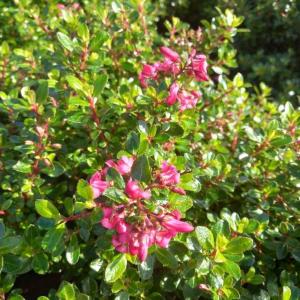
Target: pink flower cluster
{"points": [[137, 238], [149, 228], [196, 67]]}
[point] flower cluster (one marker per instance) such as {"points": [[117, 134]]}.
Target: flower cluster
{"points": [[136, 227], [196, 67]]}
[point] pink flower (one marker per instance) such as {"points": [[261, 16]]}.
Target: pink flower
{"points": [[148, 72], [76, 6], [60, 6], [133, 191], [98, 185], [188, 100], [123, 165], [167, 66], [198, 67], [144, 244], [106, 222], [171, 99], [163, 238], [177, 225], [168, 174], [172, 223], [169, 54]]}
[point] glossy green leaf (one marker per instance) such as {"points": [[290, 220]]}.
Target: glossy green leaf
{"points": [[115, 268], [53, 240], [141, 169], [166, 258], [46, 209], [65, 41]]}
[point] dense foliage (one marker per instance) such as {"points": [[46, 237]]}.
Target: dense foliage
{"points": [[268, 45], [133, 167]]}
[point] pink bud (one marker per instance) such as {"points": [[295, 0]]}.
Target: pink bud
{"points": [[177, 225], [60, 6], [171, 99], [76, 6], [98, 185], [178, 190], [169, 54]]}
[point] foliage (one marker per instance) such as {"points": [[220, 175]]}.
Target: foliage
{"points": [[71, 100], [267, 49]]}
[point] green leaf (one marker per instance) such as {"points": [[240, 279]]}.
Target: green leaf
{"points": [[55, 170], [116, 268], [53, 240], [42, 91], [22, 167], [257, 279], [189, 183], [132, 142], [99, 40], [2, 229], [65, 41], [173, 129], [84, 190], [205, 237], [146, 267], [281, 141], [182, 203], [141, 169], [166, 258], [217, 69], [114, 194], [99, 84], [122, 296], [46, 209], [16, 297], [83, 32], [66, 291], [9, 243], [73, 251], [77, 101], [16, 264], [238, 245], [96, 264], [232, 269], [40, 263], [74, 83], [252, 135], [286, 293], [238, 80]]}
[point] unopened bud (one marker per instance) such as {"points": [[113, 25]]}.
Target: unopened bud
{"points": [[56, 146], [40, 130], [47, 162]]}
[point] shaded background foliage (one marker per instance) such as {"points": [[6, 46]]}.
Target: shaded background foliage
{"points": [[268, 50]]}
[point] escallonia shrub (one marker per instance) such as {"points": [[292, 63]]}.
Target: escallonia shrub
{"points": [[136, 165]]}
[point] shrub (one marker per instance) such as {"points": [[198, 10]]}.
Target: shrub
{"points": [[132, 166]]}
